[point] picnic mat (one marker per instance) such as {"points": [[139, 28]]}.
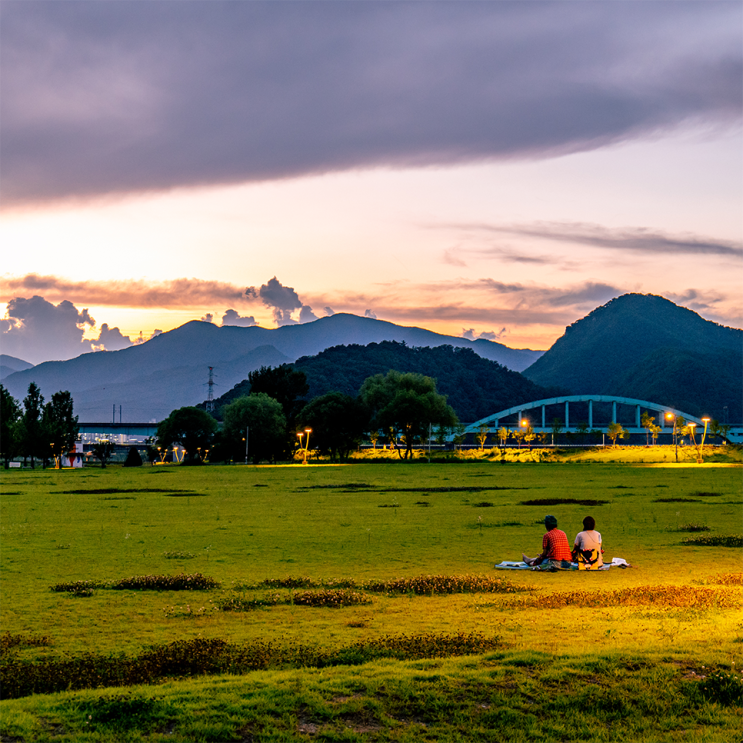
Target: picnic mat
{"points": [[616, 562]]}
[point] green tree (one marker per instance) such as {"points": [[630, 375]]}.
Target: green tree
{"points": [[264, 418], [647, 422], [615, 431], [338, 423], [190, 427], [31, 431], [59, 424], [285, 384], [103, 450], [407, 403], [10, 416]]}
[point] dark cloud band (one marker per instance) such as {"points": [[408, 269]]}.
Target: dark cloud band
{"points": [[118, 96]]}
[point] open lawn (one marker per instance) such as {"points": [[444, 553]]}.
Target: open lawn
{"points": [[616, 655]]}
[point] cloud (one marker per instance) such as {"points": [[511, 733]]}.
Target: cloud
{"points": [[36, 330], [208, 317], [110, 339], [178, 293], [634, 239], [328, 312], [370, 314], [283, 300], [231, 317], [488, 335], [142, 339], [306, 314], [102, 98]]}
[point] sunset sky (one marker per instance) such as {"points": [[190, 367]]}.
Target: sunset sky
{"points": [[495, 169]]}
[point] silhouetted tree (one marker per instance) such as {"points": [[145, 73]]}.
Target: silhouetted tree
{"points": [[264, 418], [192, 428], [338, 423], [10, 415], [133, 458], [407, 403], [31, 431], [285, 384], [59, 424], [102, 451]]}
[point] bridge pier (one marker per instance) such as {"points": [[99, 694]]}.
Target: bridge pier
{"points": [[590, 415]]}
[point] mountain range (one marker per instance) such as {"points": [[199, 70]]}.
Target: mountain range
{"points": [[171, 370], [645, 346], [637, 345]]}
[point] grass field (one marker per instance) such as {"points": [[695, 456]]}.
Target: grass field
{"points": [[566, 656]]}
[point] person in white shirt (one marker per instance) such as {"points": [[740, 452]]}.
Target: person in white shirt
{"points": [[588, 550]]}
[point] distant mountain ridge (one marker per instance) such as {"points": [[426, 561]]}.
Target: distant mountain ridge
{"points": [[10, 364], [647, 347], [171, 370]]}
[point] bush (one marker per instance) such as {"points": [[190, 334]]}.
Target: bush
{"points": [[182, 582], [333, 598], [723, 687], [692, 527], [133, 458], [731, 540]]}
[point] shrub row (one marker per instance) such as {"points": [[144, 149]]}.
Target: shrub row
{"points": [[182, 582], [662, 596], [730, 540], [201, 656]]}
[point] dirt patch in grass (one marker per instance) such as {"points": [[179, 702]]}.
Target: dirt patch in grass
{"points": [[675, 500], [705, 494], [562, 501], [421, 490], [113, 491]]}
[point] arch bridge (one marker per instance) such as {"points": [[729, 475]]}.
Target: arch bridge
{"points": [[526, 411]]}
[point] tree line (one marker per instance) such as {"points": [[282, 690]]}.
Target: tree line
{"points": [[271, 420], [36, 431]]}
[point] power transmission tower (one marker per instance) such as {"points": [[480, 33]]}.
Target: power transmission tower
{"points": [[210, 398]]}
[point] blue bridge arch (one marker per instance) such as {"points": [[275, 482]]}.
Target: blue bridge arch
{"points": [[541, 424]]}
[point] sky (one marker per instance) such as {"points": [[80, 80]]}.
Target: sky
{"points": [[481, 169]]}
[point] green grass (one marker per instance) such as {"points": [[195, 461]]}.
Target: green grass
{"points": [[633, 665]]}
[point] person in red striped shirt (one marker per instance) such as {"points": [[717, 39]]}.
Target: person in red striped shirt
{"points": [[556, 553]]}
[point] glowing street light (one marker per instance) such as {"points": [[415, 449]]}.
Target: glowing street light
{"points": [[525, 425], [308, 431], [669, 416]]}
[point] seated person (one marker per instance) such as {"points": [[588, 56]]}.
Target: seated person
{"points": [[587, 550], [555, 548]]}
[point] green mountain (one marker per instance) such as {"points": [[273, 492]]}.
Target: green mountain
{"points": [[647, 347], [475, 386]]}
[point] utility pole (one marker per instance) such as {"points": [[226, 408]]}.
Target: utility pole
{"points": [[247, 430]]}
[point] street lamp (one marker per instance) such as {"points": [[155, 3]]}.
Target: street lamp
{"points": [[524, 425], [675, 439], [704, 435], [308, 431]]}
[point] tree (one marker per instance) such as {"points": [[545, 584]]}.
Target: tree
{"points": [[31, 431], [338, 423], [285, 384], [190, 427], [10, 415], [482, 436], [59, 424], [529, 435], [133, 458], [647, 422], [374, 437], [503, 434], [407, 403], [615, 431], [102, 451], [264, 418]]}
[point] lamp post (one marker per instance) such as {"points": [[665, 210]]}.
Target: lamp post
{"points": [[675, 438], [308, 431], [524, 424]]}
